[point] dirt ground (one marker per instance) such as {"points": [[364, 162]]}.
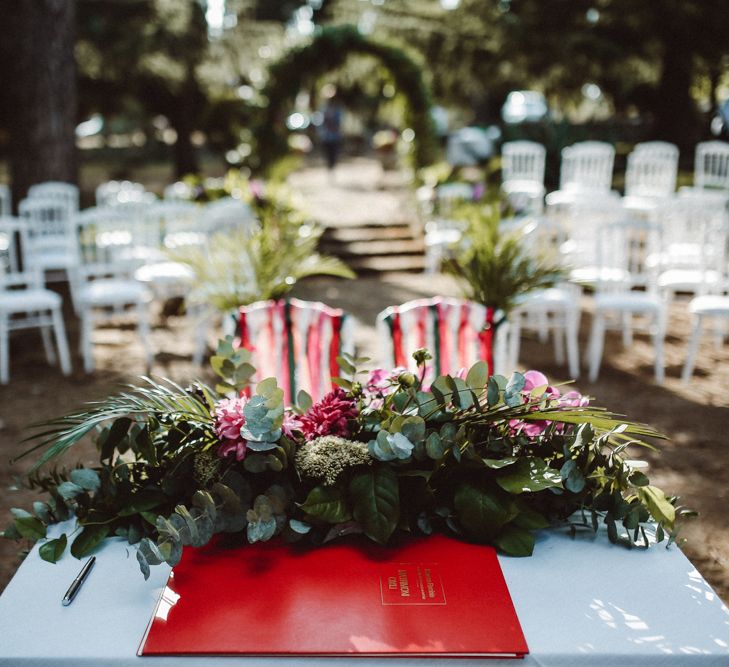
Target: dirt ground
{"points": [[694, 463]]}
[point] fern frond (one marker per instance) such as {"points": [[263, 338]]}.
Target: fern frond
{"points": [[160, 399]]}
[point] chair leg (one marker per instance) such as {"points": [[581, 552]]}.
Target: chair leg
{"points": [[597, 342], [573, 354], [627, 329], [693, 346], [558, 332], [4, 344], [48, 345], [514, 343], [86, 347], [658, 338], [543, 326], [61, 341], [143, 328]]}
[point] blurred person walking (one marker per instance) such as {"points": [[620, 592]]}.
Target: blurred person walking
{"points": [[331, 131]]}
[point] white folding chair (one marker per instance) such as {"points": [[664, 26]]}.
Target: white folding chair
{"points": [[711, 166], [178, 191], [587, 166], [106, 267], [51, 240], [442, 232], [24, 302], [112, 193], [554, 310], [6, 201], [65, 193], [650, 175], [617, 244], [228, 214], [522, 175], [457, 332], [297, 342]]}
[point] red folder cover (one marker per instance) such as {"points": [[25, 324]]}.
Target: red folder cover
{"points": [[434, 596]]}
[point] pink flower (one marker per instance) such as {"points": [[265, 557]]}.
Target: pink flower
{"points": [[291, 423], [229, 419], [329, 416], [534, 379], [574, 399]]}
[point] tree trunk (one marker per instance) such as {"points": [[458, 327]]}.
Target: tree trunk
{"points": [[43, 91], [676, 116]]}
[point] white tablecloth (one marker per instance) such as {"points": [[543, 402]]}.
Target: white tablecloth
{"points": [[580, 601]]}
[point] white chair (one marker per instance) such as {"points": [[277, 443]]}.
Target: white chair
{"points": [[178, 191], [51, 240], [650, 175], [689, 259], [587, 166], [112, 193], [522, 175], [228, 214], [711, 307], [615, 303], [442, 232], [65, 193], [24, 302], [106, 267], [164, 226], [457, 332], [711, 166], [555, 310], [6, 201], [297, 342]]}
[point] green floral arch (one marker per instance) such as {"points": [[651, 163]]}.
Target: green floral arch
{"points": [[328, 50]]}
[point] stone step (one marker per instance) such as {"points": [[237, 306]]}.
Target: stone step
{"points": [[369, 248], [401, 231], [387, 264]]}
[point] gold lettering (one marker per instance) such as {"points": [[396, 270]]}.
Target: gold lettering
{"points": [[392, 583], [429, 584], [404, 585]]}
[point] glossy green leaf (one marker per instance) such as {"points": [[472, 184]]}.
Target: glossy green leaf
{"points": [[478, 376], [328, 504], [529, 475], [86, 478], [515, 541], [481, 512], [376, 499], [52, 550], [88, 539], [658, 505]]}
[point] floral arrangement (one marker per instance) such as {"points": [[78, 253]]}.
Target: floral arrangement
{"points": [[487, 458]]}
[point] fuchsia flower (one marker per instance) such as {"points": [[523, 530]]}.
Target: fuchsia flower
{"points": [[534, 379], [291, 423], [229, 419], [329, 416]]}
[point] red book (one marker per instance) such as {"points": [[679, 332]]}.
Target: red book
{"points": [[434, 597]]}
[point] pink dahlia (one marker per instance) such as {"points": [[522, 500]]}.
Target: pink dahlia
{"points": [[329, 416], [229, 419], [291, 423]]}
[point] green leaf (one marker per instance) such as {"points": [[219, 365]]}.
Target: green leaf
{"points": [[413, 428], [117, 433], [303, 400], [512, 393], [482, 513], [88, 539], [86, 478], [496, 464], [142, 501], [376, 498], [529, 475], [328, 504], [478, 376], [572, 476], [346, 366], [30, 527], [637, 478], [515, 541], [658, 504], [52, 550], [69, 490], [493, 392], [434, 446], [530, 519]]}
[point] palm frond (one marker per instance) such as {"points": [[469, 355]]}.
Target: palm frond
{"points": [[164, 398]]}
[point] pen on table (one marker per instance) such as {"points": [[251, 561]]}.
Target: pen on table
{"points": [[78, 581]]}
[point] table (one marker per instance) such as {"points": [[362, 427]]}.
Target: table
{"points": [[581, 601]]}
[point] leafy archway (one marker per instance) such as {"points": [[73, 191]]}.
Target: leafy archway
{"points": [[328, 50]]}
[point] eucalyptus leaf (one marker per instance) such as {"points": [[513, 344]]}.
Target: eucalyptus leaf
{"points": [[86, 478]]}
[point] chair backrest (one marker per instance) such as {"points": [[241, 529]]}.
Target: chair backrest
{"points": [[228, 214], [652, 169], [457, 332], [171, 224], [588, 166], [17, 268], [297, 342], [693, 235], [48, 220], [711, 168], [6, 201], [178, 191], [66, 193], [112, 193], [522, 161], [105, 243]]}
